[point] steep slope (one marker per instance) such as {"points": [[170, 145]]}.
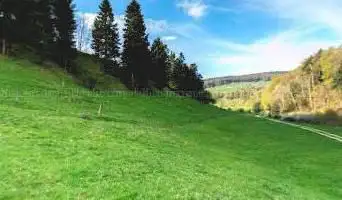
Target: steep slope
{"points": [[55, 145]]}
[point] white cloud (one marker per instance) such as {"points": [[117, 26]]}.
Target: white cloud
{"points": [[156, 26], [152, 26], [311, 25], [89, 18], [313, 12], [193, 8], [280, 52], [169, 38], [317, 23], [284, 50]]}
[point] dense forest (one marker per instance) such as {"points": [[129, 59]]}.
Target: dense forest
{"points": [[48, 29], [315, 86]]}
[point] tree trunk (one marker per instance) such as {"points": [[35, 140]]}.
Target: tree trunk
{"points": [[312, 87], [293, 99], [132, 80], [310, 94], [3, 46]]}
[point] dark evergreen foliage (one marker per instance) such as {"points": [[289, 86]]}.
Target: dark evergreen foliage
{"points": [[186, 80], [65, 24], [136, 58], [160, 67], [28, 22], [48, 27], [106, 41], [44, 29], [10, 11]]}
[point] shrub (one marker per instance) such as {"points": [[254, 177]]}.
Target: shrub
{"points": [[241, 110], [257, 108], [85, 116], [330, 117]]}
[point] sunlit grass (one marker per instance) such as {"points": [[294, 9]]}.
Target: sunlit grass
{"points": [[166, 147]]}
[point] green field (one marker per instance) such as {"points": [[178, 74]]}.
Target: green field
{"points": [[237, 96], [234, 87], [54, 145]]}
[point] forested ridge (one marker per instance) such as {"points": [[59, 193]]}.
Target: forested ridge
{"points": [[315, 86], [264, 76], [312, 92], [48, 30]]}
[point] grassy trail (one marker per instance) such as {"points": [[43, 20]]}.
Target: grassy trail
{"points": [[310, 129]]}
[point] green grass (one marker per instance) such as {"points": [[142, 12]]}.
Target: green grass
{"points": [[55, 146], [329, 128], [89, 69]]}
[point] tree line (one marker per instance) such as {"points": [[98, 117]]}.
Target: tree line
{"points": [[314, 86], [218, 81], [45, 25], [50, 26]]}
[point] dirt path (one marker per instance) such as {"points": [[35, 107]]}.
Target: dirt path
{"points": [[310, 129]]}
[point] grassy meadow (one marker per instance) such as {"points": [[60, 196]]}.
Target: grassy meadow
{"points": [[54, 144], [235, 87], [238, 96]]}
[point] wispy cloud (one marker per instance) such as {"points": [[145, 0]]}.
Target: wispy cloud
{"points": [[153, 26], [309, 26], [283, 51], [313, 12], [193, 8], [156, 26], [169, 38]]}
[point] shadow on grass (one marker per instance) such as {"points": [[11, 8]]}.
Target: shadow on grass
{"points": [[89, 117]]}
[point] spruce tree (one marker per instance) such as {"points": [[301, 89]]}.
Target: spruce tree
{"points": [[8, 19], [42, 26], [160, 67], [136, 57], [65, 25], [106, 39], [171, 63], [179, 73]]}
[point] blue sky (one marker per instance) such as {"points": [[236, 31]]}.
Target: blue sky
{"points": [[231, 37]]}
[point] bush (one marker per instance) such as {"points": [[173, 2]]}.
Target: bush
{"points": [[257, 108], [275, 110], [330, 117], [86, 116], [241, 110]]}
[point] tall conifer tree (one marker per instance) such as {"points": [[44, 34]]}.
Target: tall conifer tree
{"points": [[136, 58], [106, 39], [160, 67], [65, 25], [43, 25]]}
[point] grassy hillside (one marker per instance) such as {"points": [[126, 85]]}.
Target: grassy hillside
{"points": [[91, 76], [54, 145]]}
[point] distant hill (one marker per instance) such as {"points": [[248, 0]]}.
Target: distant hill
{"points": [[265, 76]]}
